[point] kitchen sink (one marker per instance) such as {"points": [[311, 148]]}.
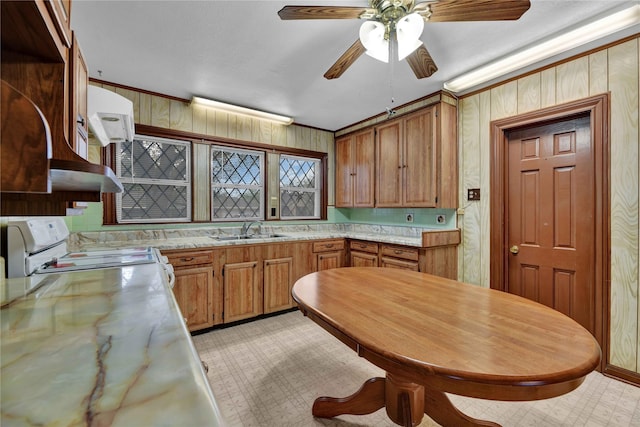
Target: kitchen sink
{"points": [[247, 236]]}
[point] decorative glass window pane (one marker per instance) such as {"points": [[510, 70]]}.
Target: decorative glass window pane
{"points": [[237, 184], [156, 177], [299, 187]]}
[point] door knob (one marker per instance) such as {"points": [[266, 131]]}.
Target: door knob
{"points": [[514, 249]]}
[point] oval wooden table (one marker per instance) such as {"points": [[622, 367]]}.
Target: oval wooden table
{"points": [[433, 335]]}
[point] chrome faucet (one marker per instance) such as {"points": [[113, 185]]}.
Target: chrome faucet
{"points": [[247, 225]]}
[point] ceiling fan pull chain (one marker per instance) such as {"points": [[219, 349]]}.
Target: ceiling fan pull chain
{"points": [[392, 59]]}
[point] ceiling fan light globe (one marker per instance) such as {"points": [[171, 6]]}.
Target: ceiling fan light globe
{"points": [[372, 38], [407, 47], [408, 31]]}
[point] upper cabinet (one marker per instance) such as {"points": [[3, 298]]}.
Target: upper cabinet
{"points": [[406, 161], [43, 66], [416, 161], [355, 170], [79, 125]]}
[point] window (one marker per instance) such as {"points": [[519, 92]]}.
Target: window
{"points": [[237, 184], [300, 187], [156, 177]]}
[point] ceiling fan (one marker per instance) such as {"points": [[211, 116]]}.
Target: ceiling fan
{"points": [[392, 25]]}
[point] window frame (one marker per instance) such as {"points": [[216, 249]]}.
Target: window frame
{"points": [[317, 189], [154, 181], [108, 159], [263, 187]]}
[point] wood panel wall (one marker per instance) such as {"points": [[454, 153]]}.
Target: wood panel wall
{"points": [[168, 113], [614, 69]]}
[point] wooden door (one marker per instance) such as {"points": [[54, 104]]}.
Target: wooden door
{"points": [[419, 164], [363, 166], [241, 291], [389, 165], [550, 217], [278, 280], [344, 172], [192, 291]]}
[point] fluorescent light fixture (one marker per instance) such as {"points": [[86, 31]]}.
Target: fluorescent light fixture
{"points": [[235, 109], [543, 50]]}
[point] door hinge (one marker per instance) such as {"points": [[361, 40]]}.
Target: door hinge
{"points": [[436, 112]]}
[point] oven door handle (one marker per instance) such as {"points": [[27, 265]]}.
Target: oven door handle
{"points": [[171, 275]]}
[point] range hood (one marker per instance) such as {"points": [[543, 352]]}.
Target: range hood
{"points": [[110, 116]]}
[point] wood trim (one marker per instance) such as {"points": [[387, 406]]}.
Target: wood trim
{"points": [[598, 109], [174, 98], [219, 140], [622, 374]]}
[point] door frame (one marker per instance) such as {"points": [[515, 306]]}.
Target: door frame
{"points": [[598, 109]]}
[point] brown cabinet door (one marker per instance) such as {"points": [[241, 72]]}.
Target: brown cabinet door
{"points": [[79, 127], [362, 259], [242, 296], [193, 292], [364, 163], [278, 280], [355, 161], [399, 263], [329, 260], [344, 173], [419, 159], [389, 165]]}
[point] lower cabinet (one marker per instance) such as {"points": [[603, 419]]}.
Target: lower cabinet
{"points": [[227, 284], [403, 257], [329, 253], [242, 291], [278, 280], [192, 291], [363, 254], [194, 287]]}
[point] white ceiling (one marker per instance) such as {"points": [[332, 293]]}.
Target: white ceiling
{"points": [[242, 53]]}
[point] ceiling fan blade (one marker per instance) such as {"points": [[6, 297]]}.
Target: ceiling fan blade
{"points": [[477, 10], [345, 61], [421, 63], [321, 12]]}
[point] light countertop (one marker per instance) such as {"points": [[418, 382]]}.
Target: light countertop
{"points": [[207, 237], [99, 347]]}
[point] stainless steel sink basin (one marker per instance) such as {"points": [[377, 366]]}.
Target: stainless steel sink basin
{"points": [[247, 236]]}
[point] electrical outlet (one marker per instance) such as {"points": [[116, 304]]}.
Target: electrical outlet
{"points": [[441, 219], [409, 217], [473, 194]]}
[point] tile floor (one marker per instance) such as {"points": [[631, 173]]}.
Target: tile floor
{"points": [[269, 372]]}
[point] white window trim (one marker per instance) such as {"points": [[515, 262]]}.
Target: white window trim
{"points": [[135, 180], [317, 190], [261, 187]]}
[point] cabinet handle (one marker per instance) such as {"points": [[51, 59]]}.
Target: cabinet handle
{"points": [[187, 259], [397, 252], [328, 245], [363, 245]]}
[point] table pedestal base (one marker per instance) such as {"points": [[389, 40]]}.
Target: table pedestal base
{"points": [[406, 403]]}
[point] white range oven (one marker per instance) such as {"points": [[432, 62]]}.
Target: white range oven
{"points": [[39, 246]]}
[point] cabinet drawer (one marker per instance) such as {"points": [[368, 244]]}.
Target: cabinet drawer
{"points": [[328, 245], [402, 252], [357, 245], [190, 258], [397, 263]]}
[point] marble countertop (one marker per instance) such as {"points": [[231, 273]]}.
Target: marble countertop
{"points": [[99, 347], [191, 238]]}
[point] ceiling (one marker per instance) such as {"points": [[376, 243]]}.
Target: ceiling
{"points": [[240, 52]]}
